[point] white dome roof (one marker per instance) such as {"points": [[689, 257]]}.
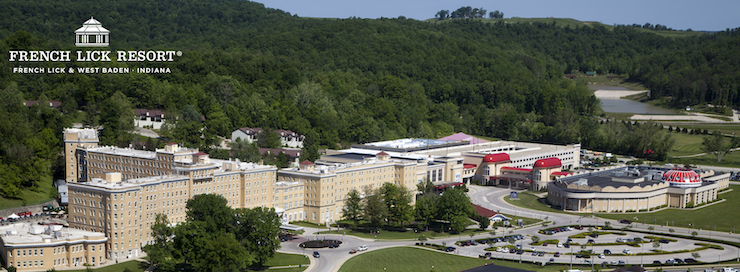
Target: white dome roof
{"points": [[91, 26]]}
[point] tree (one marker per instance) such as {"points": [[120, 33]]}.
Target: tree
{"points": [[117, 119], [694, 234], [695, 255], [245, 151], [442, 14], [717, 145], [160, 252], [656, 245], [607, 224], [205, 250], [212, 210], [459, 223], [671, 230], [484, 223], [257, 230], [397, 201], [268, 139], [535, 239], [374, 210], [496, 15], [310, 149], [454, 203], [651, 228], [352, 209], [426, 202]]}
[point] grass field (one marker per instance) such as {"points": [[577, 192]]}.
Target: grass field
{"points": [[704, 218], [30, 197], [285, 259], [135, 266], [686, 144], [414, 259], [308, 224]]}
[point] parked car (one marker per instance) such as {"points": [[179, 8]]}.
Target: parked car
{"points": [[625, 221], [488, 254], [544, 244], [689, 260], [591, 241], [594, 235], [362, 248], [657, 262], [552, 260], [602, 256], [560, 245], [520, 252], [619, 240], [534, 253], [663, 241], [512, 250], [352, 251], [569, 240], [557, 254], [606, 251], [622, 262], [627, 251], [333, 245], [541, 254], [316, 254], [679, 261], [566, 245], [579, 227], [449, 249]]}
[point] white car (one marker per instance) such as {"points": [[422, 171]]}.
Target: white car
{"points": [[627, 251], [362, 248], [560, 244], [601, 256]]}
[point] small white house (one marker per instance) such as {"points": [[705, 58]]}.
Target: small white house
{"points": [[287, 138]]}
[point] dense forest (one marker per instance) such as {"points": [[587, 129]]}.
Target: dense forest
{"points": [[340, 81]]}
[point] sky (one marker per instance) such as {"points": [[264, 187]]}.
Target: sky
{"points": [[707, 15]]}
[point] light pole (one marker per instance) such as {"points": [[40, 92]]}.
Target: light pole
{"points": [[571, 257]]}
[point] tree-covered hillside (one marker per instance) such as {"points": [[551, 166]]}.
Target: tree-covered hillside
{"points": [[344, 81]]}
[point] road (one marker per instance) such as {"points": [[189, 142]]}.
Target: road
{"points": [[492, 198]]}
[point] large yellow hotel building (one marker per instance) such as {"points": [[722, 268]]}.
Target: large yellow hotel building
{"points": [[119, 191]]}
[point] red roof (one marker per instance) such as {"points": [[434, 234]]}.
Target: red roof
{"points": [[306, 162], [382, 153], [499, 157], [681, 176], [516, 169], [561, 173], [548, 163], [483, 211], [200, 154], [469, 165]]}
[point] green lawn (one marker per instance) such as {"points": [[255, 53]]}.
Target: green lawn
{"points": [[686, 144], [285, 259], [30, 197], [308, 224], [415, 259], [384, 234], [529, 201], [135, 266], [704, 218], [730, 160]]}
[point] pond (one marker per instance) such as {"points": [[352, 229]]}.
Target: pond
{"points": [[610, 104]]}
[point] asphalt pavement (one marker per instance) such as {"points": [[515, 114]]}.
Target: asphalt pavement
{"points": [[492, 198]]}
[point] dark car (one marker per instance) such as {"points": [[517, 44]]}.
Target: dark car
{"points": [[679, 261], [591, 241], [657, 262], [334, 246], [579, 227], [557, 254], [449, 249], [534, 253], [512, 250], [663, 241], [544, 244], [316, 254], [352, 251], [541, 254], [520, 252], [594, 235], [566, 245], [606, 252], [488, 254], [625, 221], [570, 240], [689, 260]]}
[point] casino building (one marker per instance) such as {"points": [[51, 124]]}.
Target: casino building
{"points": [[636, 189]]}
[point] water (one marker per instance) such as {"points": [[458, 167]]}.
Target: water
{"points": [[626, 105]]}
